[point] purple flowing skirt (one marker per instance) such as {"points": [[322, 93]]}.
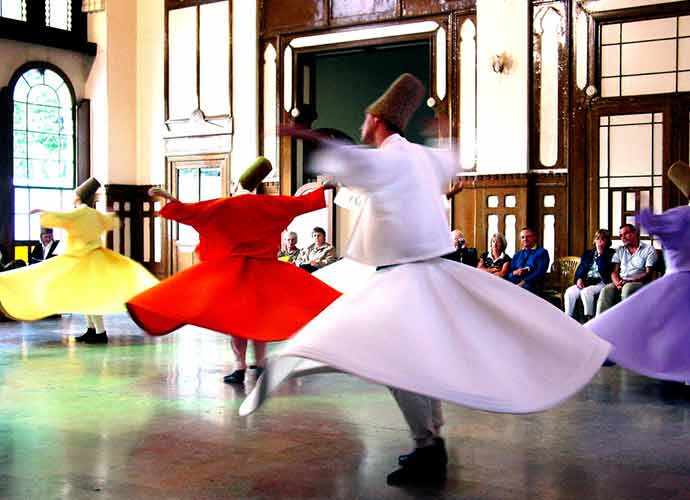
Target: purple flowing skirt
{"points": [[650, 330]]}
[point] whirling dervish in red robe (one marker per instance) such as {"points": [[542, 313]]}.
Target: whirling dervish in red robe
{"points": [[239, 287]]}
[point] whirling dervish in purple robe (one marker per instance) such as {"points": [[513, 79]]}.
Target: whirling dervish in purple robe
{"points": [[650, 330]]}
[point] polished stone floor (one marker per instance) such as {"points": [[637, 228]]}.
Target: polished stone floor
{"points": [[146, 418]]}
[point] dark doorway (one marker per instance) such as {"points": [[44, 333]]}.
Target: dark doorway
{"points": [[347, 82]]}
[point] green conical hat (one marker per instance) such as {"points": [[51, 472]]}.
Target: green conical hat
{"points": [[255, 173]]}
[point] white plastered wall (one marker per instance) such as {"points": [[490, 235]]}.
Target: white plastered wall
{"points": [[126, 91], [245, 85], [150, 100], [502, 118], [76, 66]]}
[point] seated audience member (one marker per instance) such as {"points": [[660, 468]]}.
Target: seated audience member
{"points": [[318, 254], [496, 261], [592, 274], [290, 252], [633, 266], [6, 263], [462, 253], [529, 264], [46, 249]]}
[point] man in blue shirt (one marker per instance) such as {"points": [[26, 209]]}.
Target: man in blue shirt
{"points": [[530, 263]]}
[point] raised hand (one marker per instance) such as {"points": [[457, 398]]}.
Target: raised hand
{"points": [[157, 192]]}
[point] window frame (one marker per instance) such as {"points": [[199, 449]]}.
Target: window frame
{"points": [[19, 72], [34, 29]]}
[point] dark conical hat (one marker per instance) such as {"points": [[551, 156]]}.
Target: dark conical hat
{"points": [[679, 173], [255, 173], [87, 188], [400, 101]]}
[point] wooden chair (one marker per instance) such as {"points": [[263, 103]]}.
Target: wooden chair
{"points": [[562, 275]]}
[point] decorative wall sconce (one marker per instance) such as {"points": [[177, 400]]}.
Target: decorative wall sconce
{"points": [[501, 63]]}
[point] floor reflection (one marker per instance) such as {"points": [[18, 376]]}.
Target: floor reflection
{"points": [[150, 418]]}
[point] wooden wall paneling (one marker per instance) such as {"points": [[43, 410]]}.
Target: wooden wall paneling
{"points": [[285, 143], [578, 192], [564, 72], [132, 203], [412, 8], [284, 16], [464, 212], [554, 185], [471, 210], [180, 4]]}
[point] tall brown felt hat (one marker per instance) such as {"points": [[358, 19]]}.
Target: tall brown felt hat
{"points": [[87, 189], [400, 101], [679, 173], [255, 173]]}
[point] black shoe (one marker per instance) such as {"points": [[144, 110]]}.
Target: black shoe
{"points": [[418, 475], [97, 338], [259, 370], [236, 377], [90, 332], [439, 455]]}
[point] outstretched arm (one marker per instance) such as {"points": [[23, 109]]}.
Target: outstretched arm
{"points": [[161, 194], [55, 219], [185, 213]]}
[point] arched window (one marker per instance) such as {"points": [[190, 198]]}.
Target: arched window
{"points": [[43, 151]]}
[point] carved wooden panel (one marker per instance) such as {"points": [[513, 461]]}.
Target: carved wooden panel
{"points": [[550, 83], [138, 236], [498, 198], [179, 4], [548, 212], [292, 15], [424, 7], [349, 11]]}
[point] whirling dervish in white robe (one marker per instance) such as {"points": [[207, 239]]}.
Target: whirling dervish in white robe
{"points": [[426, 324]]}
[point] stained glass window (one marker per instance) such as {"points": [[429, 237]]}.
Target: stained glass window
{"points": [[43, 147]]}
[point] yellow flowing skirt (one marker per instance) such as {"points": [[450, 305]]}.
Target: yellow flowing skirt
{"points": [[98, 282]]}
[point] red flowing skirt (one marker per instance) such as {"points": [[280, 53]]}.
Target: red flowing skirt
{"points": [[257, 299]]}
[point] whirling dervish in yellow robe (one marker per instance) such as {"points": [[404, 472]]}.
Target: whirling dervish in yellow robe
{"points": [[87, 278]]}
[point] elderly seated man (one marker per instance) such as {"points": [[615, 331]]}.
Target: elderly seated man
{"points": [[633, 266], [529, 264], [290, 252], [318, 254], [462, 253]]}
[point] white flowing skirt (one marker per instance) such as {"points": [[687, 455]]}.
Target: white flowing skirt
{"points": [[447, 331]]}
